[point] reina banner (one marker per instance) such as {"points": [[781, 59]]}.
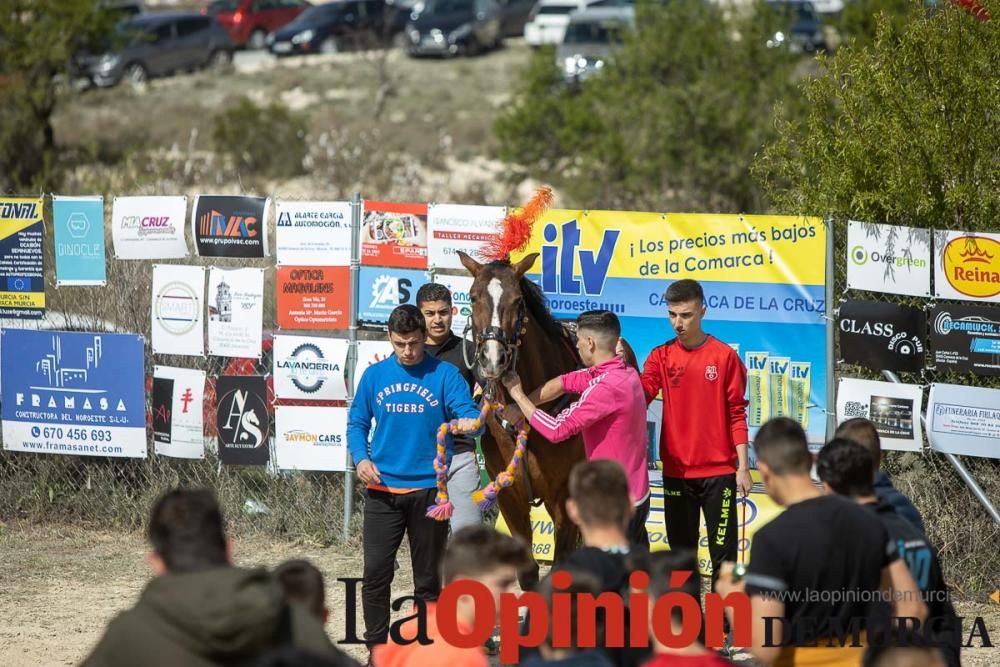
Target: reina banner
{"points": [[964, 420], [968, 266], [149, 227], [177, 305], [313, 297], [454, 227], [178, 412], [22, 263], [763, 277], [313, 233], [966, 338], [892, 407], [235, 312], [380, 290], [230, 226], [891, 259], [242, 420], [310, 438], [73, 393], [79, 236], [882, 336], [310, 368], [394, 235]]}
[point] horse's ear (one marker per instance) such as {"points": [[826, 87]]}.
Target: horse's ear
{"points": [[470, 264], [525, 264]]}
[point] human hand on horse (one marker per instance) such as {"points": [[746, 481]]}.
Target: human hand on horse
{"points": [[512, 381], [368, 472]]}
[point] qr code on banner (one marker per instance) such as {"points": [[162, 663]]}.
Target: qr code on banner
{"points": [[855, 409]]}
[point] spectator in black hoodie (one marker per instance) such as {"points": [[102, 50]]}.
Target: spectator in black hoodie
{"points": [[434, 302], [200, 610]]}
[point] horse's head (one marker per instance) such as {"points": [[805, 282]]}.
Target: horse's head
{"points": [[498, 313]]}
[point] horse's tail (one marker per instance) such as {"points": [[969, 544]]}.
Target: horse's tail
{"points": [[626, 352], [486, 498]]}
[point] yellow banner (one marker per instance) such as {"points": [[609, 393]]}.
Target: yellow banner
{"points": [[22, 299]]}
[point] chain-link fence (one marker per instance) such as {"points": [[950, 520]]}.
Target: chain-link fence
{"points": [[958, 525]]}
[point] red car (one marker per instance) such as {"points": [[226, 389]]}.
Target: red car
{"points": [[249, 22]]}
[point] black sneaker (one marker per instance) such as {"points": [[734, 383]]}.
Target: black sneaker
{"points": [[491, 646]]}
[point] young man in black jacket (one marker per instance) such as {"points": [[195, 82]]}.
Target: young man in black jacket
{"points": [[434, 301]]}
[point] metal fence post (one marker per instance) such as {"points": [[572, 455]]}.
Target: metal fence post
{"points": [[962, 471], [352, 354], [831, 387]]}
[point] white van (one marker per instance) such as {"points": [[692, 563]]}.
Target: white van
{"points": [[547, 21]]}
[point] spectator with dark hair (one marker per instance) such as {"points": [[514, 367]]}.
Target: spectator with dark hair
{"points": [[703, 442], [818, 566], [434, 301], [610, 412], [599, 504], [303, 584], [477, 554], [844, 466], [551, 653], [200, 610], [661, 568], [863, 432], [409, 396]]}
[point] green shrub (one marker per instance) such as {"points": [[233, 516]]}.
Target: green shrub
{"points": [[262, 141]]}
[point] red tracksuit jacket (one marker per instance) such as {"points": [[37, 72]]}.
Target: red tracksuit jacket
{"points": [[704, 406]]}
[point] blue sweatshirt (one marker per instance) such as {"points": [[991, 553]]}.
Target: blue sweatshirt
{"points": [[408, 404]]}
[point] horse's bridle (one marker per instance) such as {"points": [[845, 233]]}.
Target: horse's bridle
{"points": [[508, 345]]}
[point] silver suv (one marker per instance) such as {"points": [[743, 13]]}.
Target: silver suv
{"points": [[592, 35]]}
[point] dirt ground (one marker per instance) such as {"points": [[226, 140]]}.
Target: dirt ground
{"points": [[60, 585]]}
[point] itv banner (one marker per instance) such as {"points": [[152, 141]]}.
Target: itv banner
{"points": [[763, 277]]}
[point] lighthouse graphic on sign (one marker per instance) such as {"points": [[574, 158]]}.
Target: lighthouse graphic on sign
{"points": [[224, 302]]}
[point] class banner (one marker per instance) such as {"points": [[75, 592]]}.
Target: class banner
{"points": [[22, 267], [764, 280]]}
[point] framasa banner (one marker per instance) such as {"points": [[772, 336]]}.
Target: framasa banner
{"points": [[763, 277]]}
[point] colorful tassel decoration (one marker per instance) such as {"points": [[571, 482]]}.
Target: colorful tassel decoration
{"points": [[443, 508], [486, 498]]}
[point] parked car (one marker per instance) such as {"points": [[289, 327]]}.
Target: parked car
{"points": [[339, 26], [514, 16], [804, 32], [592, 35], [548, 20], [454, 27], [250, 21], [150, 45]]}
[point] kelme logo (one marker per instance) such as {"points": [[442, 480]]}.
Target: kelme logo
{"points": [[972, 266]]}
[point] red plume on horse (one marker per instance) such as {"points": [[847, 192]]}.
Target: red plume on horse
{"points": [[512, 328]]}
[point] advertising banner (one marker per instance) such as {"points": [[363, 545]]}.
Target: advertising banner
{"points": [[882, 336], [79, 236], [148, 227], [310, 438], [177, 305], [370, 352], [310, 368], [763, 278], [313, 297], [178, 412], [380, 290], [891, 259], [394, 235], [313, 233], [73, 393], [242, 419], [962, 420], [230, 226], [454, 227], [461, 302], [235, 312], [966, 338], [893, 408], [967, 266], [22, 263]]}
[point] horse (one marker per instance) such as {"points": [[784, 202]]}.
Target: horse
{"points": [[512, 328]]}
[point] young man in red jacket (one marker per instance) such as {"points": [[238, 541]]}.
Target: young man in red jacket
{"points": [[703, 443]]}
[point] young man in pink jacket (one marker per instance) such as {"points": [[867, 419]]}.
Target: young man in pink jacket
{"points": [[610, 412]]}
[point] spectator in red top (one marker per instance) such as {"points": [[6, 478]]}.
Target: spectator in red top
{"points": [[703, 443]]}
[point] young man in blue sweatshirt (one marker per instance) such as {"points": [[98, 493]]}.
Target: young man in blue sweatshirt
{"points": [[409, 395]]}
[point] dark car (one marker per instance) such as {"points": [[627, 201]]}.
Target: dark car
{"points": [[150, 45], [340, 26], [514, 15], [249, 22], [454, 27], [802, 28]]}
